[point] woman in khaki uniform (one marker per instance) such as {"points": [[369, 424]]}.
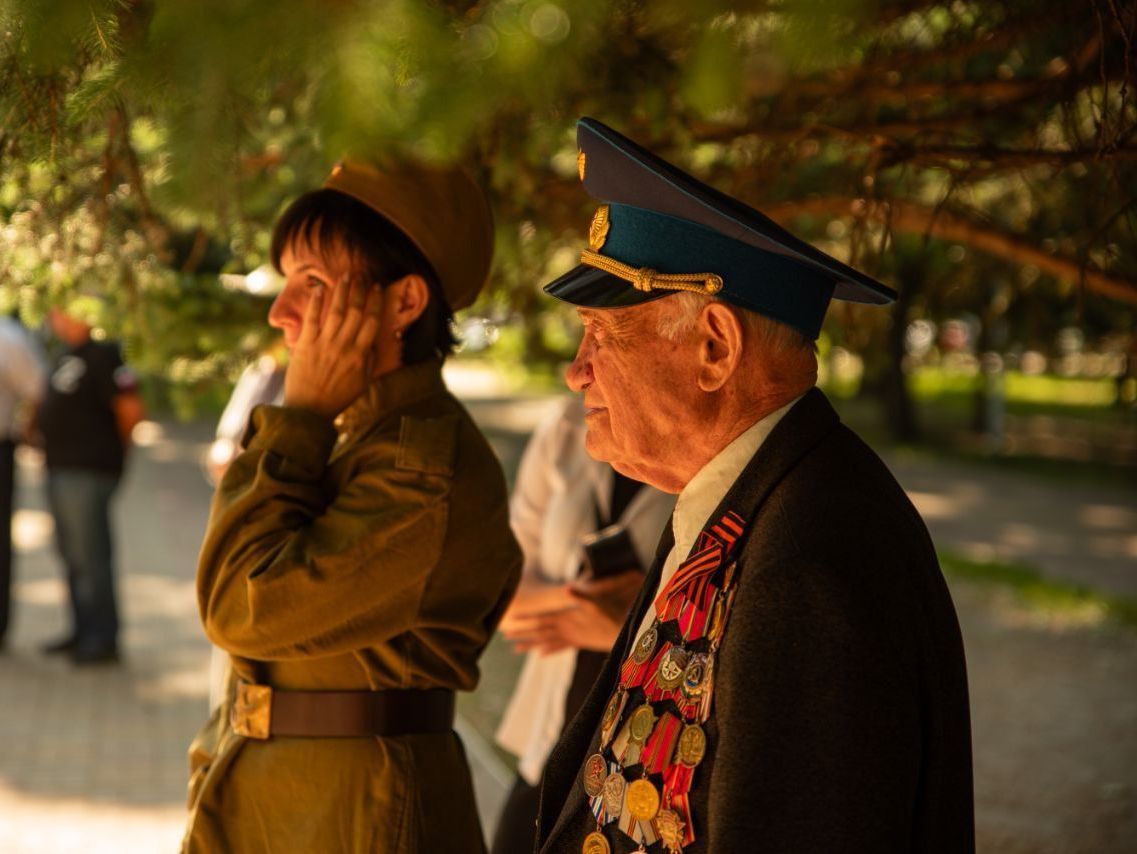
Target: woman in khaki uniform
{"points": [[358, 555]]}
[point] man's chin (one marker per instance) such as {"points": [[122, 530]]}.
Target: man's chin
{"points": [[597, 445]]}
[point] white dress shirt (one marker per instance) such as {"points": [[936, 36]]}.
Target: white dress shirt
{"points": [[703, 493]]}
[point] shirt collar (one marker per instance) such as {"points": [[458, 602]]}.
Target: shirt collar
{"points": [[706, 489]]}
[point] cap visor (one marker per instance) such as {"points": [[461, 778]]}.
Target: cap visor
{"points": [[592, 288], [878, 294]]}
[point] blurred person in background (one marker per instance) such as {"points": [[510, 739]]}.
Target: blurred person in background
{"points": [[22, 372], [588, 533], [358, 555], [262, 381], [89, 411]]}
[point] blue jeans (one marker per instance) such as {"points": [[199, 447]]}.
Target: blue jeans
{"points": [[80, 502]]}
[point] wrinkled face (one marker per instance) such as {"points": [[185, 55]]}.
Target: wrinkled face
{"points": [[639, 389]]}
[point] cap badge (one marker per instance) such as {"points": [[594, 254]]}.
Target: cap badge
{"points": [[581, 160], [336, 169], [598, 230]]}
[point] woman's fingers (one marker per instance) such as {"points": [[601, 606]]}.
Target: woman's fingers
{"points": [[337, 309], [372, 317], [311, 324], [359, 325]]}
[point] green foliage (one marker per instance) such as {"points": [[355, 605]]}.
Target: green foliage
{"points": [[147, 146], [1054, 393]]}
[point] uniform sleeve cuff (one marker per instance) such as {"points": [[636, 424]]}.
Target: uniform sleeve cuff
{"points": [[301, 440]]}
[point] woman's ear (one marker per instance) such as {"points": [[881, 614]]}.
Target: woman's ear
{"points": [[720, 345], [411, 297]]}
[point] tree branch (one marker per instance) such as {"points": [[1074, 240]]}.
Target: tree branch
{"points": [[913, 218], [1005, 157]]}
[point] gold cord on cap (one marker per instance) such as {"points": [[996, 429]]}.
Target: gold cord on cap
{"points": [[647, 280]]}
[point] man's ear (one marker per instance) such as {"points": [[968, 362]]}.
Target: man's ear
{"points": [[720, 345], [412, 296]]}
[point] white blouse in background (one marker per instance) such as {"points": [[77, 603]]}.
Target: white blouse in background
{"points": [[553, 505]]}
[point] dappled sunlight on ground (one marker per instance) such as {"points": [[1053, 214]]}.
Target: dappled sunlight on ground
{"points": [[31, 530], [1108, 516], [60, 824], [937, 506], [94, 760], [1053, 700], [1081, 533]]}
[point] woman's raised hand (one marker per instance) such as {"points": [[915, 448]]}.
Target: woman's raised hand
{"points": [[332, 360]]}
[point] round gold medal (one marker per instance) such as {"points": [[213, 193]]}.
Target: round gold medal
{"points": [[595, 771], [692, 745], [640, 723], [670, 827], [595, 843], [645, 646], [671, 668], [614, 794], [642, 800]]}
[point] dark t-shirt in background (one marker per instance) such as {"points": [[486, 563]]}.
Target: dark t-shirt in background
{"points": [[77, 417]]}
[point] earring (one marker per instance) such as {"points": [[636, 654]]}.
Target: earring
{"points": [[398, 334]]}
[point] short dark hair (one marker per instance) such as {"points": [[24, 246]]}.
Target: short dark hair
{"points": [[376, 248]]}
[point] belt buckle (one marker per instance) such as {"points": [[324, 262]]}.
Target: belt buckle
{"points": [[251, 715]]}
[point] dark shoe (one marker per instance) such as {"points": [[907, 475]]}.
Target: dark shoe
{"points": [[62, 645], [85, 654]]}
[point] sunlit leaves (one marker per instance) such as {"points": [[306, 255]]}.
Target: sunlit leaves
{"points": [[147, 145]]}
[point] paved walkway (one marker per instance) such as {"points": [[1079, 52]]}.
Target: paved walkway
{"points": [[93, 761]]}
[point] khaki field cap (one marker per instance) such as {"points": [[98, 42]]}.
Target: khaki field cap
{"points": [[443, 212]]}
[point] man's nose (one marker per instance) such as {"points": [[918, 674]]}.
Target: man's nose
{"points": [[579, 373]]}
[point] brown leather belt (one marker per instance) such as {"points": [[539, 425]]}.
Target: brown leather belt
{"points": [[260, 711]]}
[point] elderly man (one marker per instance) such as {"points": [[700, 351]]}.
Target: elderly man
{"points": [[792, 676]]}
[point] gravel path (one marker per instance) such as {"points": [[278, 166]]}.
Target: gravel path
{"points": [[94, 760]]}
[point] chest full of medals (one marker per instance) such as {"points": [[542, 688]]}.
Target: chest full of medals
{"points": [[653, 733]]}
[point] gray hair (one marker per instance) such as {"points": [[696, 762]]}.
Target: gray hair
{"points": [[684, 309]]}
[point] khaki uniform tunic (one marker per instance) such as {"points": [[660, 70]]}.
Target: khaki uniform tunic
{"points": [[379, 558]]}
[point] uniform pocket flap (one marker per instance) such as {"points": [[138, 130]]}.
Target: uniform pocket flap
{"points": [[427, 444]]}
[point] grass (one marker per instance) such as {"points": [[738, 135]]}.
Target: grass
{"points": [[944, 404], [1047, 595], [1025, 394]]}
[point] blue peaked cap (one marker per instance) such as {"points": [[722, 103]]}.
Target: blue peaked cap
{"points": [[660, 230]]}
